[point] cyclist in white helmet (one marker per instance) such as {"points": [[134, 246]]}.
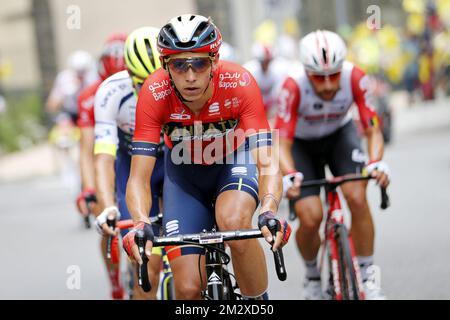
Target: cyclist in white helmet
{"points": [[269, 72], [80, 73], [316, 128]]}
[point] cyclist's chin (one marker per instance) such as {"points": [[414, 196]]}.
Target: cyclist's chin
{"points": [[192, 95], [327, 95]]}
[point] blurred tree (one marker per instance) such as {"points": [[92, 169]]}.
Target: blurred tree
{"points": [[45, 44]]}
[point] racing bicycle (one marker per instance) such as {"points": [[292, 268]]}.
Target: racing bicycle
{"points": [[345, 281], [220, 285]]}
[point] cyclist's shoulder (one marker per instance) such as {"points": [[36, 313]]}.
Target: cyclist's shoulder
{"points": [[113, 90]]}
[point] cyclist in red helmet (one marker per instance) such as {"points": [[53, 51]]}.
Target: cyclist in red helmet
{"points": [[217, 136], [111, 61]]}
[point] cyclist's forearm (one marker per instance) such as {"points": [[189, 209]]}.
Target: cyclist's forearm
{"points": [[287, 164], [138, 199], [87, 169], [375, 144], [138, 194], [105, 179], [270, 185]]}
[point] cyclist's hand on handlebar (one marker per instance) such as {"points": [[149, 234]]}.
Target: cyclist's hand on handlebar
{"points": [[269, 224], [291, 185], [82, 203], [380, 171], [101, 221], [129, 242]]}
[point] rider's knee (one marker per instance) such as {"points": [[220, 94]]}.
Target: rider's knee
{"points": [[187, 290], [356, 200], [234, 222], [310, 217]]}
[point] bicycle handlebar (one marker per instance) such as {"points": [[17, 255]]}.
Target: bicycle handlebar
{"points": [[125, 224], [333, 183], [206, 238]]}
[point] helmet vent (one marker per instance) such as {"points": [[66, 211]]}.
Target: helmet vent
{"points": [[136, 51], [324, 54], [315, 61]]}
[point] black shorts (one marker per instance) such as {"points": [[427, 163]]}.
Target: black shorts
{"points": [[341, 151]]}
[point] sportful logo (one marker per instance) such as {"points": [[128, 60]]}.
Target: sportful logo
{"points": [[242, 171], [214, 108], [172, 227]]}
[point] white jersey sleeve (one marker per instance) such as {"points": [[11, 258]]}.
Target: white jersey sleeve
{"points": [[114, 112]]}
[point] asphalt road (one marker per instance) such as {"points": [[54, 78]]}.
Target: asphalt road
{"points": [[44, 244]]}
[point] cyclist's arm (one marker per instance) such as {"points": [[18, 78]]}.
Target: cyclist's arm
{"points": [[287, 110], [149, 119], [56, 97], [86, 124], [369, 119], [87, 171], [138, 191], [259, 136]]}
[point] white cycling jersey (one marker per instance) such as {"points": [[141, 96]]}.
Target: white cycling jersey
{"points": [[68, 85], [303, 114], [115, 114], [270, 80]]}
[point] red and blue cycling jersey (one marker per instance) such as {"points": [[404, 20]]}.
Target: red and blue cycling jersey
{"points": [[232, 117]]}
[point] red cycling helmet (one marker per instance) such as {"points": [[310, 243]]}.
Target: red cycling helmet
{"points": [[111, 59], [189, 33]]}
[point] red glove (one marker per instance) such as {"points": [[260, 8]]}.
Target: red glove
{"points": [[87, 195], [128, 240]]}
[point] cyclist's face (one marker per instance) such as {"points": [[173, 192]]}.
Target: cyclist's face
{"points": [[325, 87], [191, 73]]}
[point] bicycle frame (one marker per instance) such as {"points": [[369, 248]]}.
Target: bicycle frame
{"points": [[335, 219]]}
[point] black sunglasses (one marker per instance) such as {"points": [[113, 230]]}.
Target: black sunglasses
{"points": [[182, 65]]}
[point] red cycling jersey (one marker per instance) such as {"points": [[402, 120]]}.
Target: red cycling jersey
{"points": [[234, 112], [85, 118], [301, 113]]}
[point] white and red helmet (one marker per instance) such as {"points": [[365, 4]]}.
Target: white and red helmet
{"points": [[322, 52], [112, 58], [262, 52], [189, 33]]}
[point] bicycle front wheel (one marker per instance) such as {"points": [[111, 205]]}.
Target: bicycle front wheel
{"points": [[348, 274]]}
